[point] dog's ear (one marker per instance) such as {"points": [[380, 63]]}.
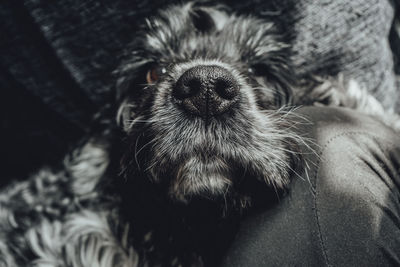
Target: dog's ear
{"points": [[206, 19], [202, 21], [277, 73]]}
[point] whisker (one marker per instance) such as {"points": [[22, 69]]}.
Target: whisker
{"points": [[145, 145], [136, 146]]}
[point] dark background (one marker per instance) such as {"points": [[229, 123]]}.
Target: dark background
{"points": [[56, 63]]}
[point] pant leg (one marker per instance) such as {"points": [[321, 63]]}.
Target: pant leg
{"points": [[343, 210]]}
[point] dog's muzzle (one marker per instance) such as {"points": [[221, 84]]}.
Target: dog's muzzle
{"points": [[206, 90]]}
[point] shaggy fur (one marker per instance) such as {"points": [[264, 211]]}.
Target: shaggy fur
{"points": [[160, 186]]}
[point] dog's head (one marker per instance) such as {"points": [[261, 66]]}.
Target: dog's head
{"points": [[201, 90]]}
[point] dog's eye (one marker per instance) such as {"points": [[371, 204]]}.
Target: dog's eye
{"points": [[153, 74]]}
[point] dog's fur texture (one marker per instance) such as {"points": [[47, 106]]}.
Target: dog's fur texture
{"points": [[158, 186]]}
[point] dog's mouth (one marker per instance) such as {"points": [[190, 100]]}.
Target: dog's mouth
{"points": [[193, 162], [197, 163], [189, 158]]}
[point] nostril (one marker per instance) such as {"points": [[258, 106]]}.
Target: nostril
{"points": [[192, 86], [226, 88], [186, 88]]}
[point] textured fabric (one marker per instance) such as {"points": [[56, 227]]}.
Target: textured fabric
{"points": [[394, 37], [343, 211], [350, 37]]}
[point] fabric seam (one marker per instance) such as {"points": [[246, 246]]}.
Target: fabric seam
{"points": [[315, 196]]}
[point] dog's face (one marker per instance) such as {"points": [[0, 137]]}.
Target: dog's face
{"points": [[200, 93]]}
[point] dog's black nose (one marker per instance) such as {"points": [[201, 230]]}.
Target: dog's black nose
{"points": [[206, 90]]}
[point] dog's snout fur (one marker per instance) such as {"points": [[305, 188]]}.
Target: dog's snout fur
{"points": [[206, 90]]}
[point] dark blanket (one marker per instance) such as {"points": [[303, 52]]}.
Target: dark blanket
{"points": [[57, 59]]}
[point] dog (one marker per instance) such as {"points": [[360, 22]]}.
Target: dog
{"points": [[200, 132]]}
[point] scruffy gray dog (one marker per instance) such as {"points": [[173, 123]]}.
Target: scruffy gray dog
{"points": [[201, 131]]}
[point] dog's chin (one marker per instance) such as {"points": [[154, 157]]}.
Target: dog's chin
{"points": [[201, 178], [220, 170]]}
